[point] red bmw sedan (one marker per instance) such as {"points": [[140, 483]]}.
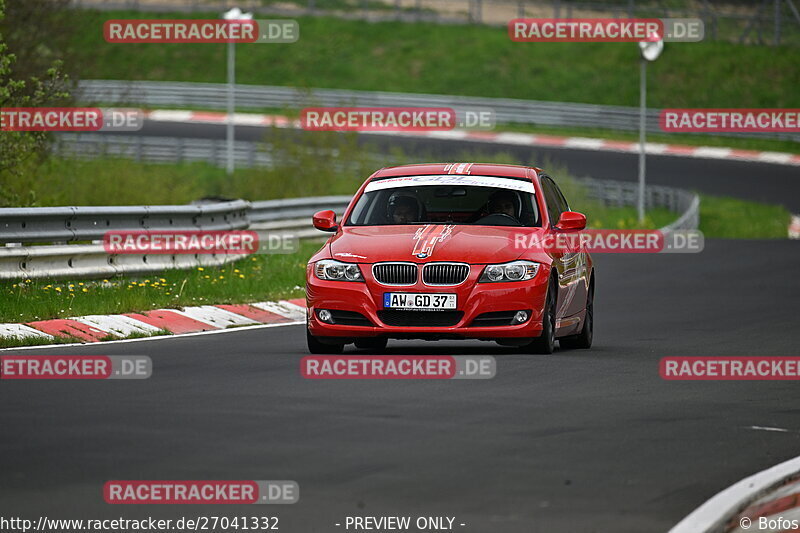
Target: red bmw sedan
{"points": [[451, 251]]}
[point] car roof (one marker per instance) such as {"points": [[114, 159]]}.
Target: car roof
{"points": [[475, 169]]}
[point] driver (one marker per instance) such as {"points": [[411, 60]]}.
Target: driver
{"points": [[403, 209], [502, 203]]}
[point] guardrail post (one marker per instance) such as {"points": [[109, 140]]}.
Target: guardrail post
{"points": [[251, 155], [179, 150]]}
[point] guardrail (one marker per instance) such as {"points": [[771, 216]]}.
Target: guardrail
{"points": [[65, 224], [246, 154], [507, 111], [20, 226], [623, 193]]}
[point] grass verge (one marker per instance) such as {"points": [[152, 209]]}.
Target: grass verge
{"points": [[420, 58], [732, 218], [253, 279]]}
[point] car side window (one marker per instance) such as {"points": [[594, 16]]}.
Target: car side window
{"points": [[562, 201], [552, 199]]}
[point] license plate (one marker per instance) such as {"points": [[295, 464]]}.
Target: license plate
{"points": [[410, 300]]}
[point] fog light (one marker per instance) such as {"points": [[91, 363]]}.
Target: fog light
{"points": [[520, 317], [325, 316]]}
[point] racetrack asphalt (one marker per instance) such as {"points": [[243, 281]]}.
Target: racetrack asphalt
{"points": [[579, 441], [762, 182]]}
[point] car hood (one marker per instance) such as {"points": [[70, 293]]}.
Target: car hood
{"points": [[432, 242]]}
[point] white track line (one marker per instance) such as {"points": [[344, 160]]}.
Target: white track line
{"points": [[283, 308], [117, 324], [155, 338], [715, 512], [794, 227], [21, 331], [215, 316]]}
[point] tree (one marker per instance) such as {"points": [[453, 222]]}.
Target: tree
{"points": [[21, 151]]}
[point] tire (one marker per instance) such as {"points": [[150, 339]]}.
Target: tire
{"points": [[372, 344], [583, 340], [545, 343], [317, 346]]}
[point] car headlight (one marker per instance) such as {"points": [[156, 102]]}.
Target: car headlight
{"points": [[337, 271], [513, 271]]}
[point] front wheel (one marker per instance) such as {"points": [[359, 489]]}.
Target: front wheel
{"points": [[546, 342], [582, 340], [318, 347]]}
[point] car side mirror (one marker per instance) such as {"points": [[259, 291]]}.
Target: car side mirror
{"points": [[571, 221], [325, 221]]}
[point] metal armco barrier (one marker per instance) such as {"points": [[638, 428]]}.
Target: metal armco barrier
{"points": [[159, 149], [19, 226], [507, 111], [64, 224], [622, 193]]}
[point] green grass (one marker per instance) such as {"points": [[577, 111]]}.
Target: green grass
{"points": [[455, 59], [731, 218], [14, 342], [256, 278]]}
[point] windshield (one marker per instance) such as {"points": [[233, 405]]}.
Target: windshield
{"points": [[451, 204]]}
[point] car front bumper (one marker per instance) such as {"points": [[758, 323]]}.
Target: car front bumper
{"points": [[473, 299]]}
